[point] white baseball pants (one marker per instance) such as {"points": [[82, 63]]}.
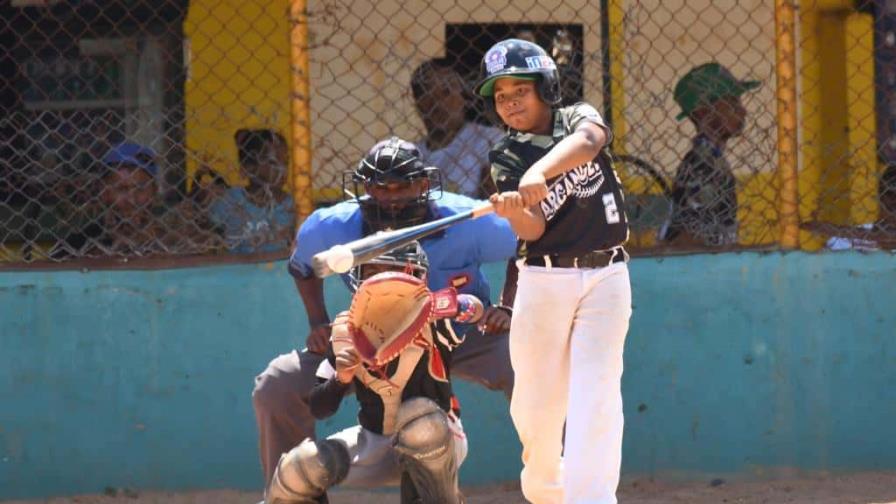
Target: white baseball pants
{"points": [[566, 344]]}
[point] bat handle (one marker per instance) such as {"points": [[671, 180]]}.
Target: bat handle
{"points": [[483, 209]]}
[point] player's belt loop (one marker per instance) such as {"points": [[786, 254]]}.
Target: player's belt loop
{"points": [[620, 251]]}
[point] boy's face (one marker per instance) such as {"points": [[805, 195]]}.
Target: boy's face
{"points": [[519, 106], [724, 118], [272, 165], [128, 190]]}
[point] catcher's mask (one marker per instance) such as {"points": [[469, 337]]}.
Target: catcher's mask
{"points": [[410, 259], [391, 305], [392, 185]]}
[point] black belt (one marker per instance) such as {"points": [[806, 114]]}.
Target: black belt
{"points": [[594, 259]]}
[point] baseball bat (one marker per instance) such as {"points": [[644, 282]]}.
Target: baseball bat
{"points": [[341, 258]]}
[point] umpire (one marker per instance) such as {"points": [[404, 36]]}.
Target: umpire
{"points": [[400, 191]]}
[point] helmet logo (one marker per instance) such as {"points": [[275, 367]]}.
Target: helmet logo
{"points": [[540, 63], [496, 59]]}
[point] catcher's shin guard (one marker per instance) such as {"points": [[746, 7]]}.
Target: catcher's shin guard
{"points": [[425, 445], [305, 473]]}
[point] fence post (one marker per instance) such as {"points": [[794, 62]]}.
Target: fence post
{"points": [[300, 111], [614, 65], [788, 169]]}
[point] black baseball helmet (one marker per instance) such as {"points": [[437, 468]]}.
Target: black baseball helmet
{"points": [[388, 162], [410, 259], [392, 160], [521, 59]]}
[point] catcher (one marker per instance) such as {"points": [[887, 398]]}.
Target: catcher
{"points": [[394, 346]]}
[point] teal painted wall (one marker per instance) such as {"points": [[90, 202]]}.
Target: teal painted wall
{"points": [[734, 363]]}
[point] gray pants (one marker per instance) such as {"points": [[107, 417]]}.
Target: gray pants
{"points": [[281, 391]]}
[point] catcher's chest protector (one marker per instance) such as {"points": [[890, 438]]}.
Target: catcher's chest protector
{"points": [[390, 319], [390, 388]]}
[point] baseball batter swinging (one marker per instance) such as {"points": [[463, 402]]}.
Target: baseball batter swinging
{"points": [[564, 201]]}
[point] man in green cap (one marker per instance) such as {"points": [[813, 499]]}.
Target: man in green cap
{"points": [[703, 193]]}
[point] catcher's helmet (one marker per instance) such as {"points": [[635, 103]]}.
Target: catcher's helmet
{"points": [[392, 160], [389, 162], [521, 59], [410, 259]]}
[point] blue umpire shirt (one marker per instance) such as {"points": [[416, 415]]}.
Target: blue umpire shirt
{"points": [[455, 256]]}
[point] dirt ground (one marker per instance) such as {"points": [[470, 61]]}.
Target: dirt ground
{"points": [[862, 488]]}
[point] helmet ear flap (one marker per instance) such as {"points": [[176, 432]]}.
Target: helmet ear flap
{"points": [[549, 88]]}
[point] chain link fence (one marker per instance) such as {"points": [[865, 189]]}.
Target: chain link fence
{"points": [[143, 129], [848, 135], [136, 128]]}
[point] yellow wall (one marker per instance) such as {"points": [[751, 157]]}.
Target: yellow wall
{"points": [[238, 77], [837, 122], [862, 138]]}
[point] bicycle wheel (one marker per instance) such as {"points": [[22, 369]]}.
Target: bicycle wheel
{"points": [[648, 199]]}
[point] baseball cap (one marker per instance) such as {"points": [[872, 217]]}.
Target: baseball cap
{"points": [[132, 154], [706, 83]]}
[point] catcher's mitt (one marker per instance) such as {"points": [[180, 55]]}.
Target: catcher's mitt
{"points": [[388, 311]]}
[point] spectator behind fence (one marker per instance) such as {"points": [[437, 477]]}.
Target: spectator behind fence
{"points": [[259, 217], [124, 207], [704, 190], [877, 235], [453, 143], [131, 219]]}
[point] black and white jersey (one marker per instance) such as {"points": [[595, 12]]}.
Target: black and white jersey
{"points": [[584, 206], [430, 378]]}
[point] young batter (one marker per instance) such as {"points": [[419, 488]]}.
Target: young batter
{"points": [[564, 201]]}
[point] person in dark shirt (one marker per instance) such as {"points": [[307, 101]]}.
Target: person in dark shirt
{"points": [[704, 191], [560, 192], [409, 431]]}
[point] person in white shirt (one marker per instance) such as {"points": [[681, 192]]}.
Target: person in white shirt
{"points": [[454, 143]]}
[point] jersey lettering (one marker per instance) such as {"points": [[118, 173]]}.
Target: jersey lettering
{"points": [[581, 182], [610, 209]]}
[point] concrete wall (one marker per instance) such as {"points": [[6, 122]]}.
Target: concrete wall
{"points": [[735, 363]]}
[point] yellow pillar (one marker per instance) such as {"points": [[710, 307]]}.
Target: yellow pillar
{"points": [[861, 118], [837, 121], [785, 31], [300, 111], [615, 14]]}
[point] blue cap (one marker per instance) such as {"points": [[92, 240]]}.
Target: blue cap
{"points": [[132, 154]]}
